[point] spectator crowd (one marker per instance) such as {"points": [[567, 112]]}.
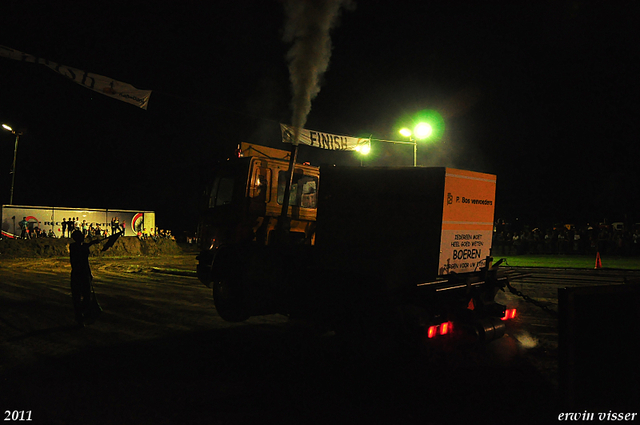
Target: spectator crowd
{"points": [[158, 234], [604, 239], [568, 239], [32, 230]]}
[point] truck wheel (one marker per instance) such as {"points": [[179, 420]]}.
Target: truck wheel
{"points": [[203, 269], [227, 297]]}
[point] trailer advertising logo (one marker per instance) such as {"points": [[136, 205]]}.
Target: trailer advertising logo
{"points": [[467, 221], [137, 223]]}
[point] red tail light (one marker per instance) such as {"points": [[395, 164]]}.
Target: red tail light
{"points": [[433, 330], [441, 329], [509, 314]]}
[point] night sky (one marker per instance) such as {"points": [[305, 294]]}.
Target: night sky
{"points": [[543, 94]]}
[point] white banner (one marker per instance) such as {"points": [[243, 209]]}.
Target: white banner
{"points": [[322, 140], [49, 219], [105, 85]]}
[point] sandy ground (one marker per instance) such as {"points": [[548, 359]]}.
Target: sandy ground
{"points": [[59, 247], [160, 354]]}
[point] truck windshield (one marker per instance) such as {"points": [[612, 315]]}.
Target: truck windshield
{"points": [[303, 190], [221, 192]]}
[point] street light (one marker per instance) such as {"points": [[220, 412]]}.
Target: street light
{"points": [[363, 150], [421, 132], [13, 167]]}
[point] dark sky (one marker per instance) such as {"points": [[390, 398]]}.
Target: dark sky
{"points": [[543, 94]]}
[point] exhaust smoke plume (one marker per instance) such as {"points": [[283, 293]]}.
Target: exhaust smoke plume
{"points": [[308, 25], [526, 340]]}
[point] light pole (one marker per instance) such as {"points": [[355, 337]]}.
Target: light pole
{"points": [[364, 150], [421, 132], [13, 167]]}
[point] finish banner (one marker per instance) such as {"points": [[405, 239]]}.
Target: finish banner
{"points": [[105, 85], [322, 140]]}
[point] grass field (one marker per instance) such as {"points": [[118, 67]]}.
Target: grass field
{"points": [[570, 261]]}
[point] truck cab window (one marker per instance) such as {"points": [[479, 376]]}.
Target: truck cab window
{"points": [[303, 190], [309, 194], [260, 189], [221, 192]]}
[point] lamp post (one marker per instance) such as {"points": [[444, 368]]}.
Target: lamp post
{"points": [[364, 150], [13, 167], [421, 132]]}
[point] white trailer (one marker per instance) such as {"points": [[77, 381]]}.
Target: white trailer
{"points": [[49, 219]]}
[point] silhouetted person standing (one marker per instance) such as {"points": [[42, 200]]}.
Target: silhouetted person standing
{"points": [[23, 228], [70, 226], [80, 275]]}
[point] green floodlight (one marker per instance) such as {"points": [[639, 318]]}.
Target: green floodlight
{"points": [[423, 130], [363, 149], [434, 120], [427, 125]]}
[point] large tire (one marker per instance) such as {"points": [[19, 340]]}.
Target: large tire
{"points": [[203, 268], [228, 290], [228, 299]]}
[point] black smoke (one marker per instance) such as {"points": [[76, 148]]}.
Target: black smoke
{"points": [[307, 28]]}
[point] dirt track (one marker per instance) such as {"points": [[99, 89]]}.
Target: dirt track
{"points": [[53, 247], [160, 354]]}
